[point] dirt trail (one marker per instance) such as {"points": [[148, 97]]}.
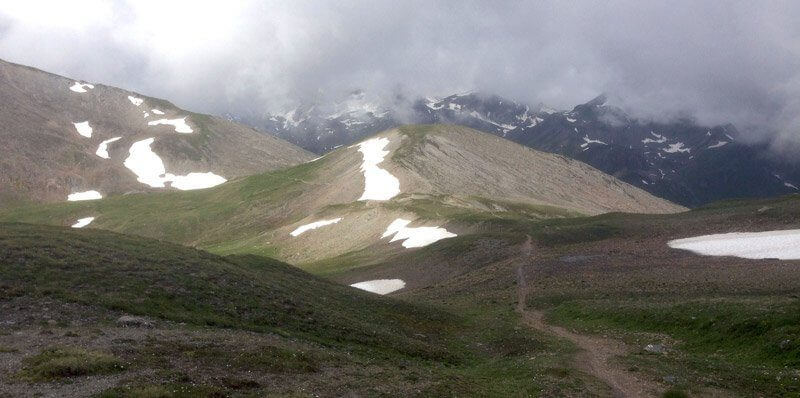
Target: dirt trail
{"points": [[596, 352]]}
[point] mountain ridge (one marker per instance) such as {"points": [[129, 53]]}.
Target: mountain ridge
{"points": [[682, 161], [435, 180], [64, 137]]}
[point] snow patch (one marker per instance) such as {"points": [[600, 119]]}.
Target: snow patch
{"points": [[157, 112], [789, 185], [147, 166], [676, 147], [134, 100], [84, 129], [380, 286], [87, 195], [588, 141], [179, 124], [548, 110], [289, 119], [102, 149], [660, 139], [83, 222], [80, 87], [784, 245], [314, 225], [194, 181], [149, 170], [571, 120], [415, 236], [717, 145], [505, 127], [379, 184], [431, 103]]}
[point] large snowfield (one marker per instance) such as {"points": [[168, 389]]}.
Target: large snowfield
{"points": [[380, 286], [150, 170], [147, 166], [415, 236], [379, 184], [784, 245]]}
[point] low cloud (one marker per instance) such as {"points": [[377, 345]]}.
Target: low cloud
{"points": [[734, 61]]}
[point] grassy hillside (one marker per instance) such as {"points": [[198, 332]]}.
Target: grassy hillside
{"points": [[248, 325], [147, 277], [727, 326], [250, 321], [254, 215]]}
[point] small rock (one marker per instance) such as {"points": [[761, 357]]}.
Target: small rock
{"points": [[785, 344], [654, 348], [763, 209], [128, 321], [670, 379]]}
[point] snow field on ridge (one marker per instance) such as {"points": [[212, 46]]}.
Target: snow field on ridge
{"points": [[379, 184], [80, 87]]}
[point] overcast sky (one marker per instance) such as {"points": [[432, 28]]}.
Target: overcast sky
{"points": [[719, 61]]}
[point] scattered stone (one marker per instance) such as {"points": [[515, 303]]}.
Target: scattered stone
{"points": [[670, 379], [128, 321], [655, 348]]}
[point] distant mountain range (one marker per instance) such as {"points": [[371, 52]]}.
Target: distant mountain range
{"points": [[682, 161]]}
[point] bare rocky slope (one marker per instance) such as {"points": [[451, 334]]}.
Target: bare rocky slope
{"points": [[52, 132]]}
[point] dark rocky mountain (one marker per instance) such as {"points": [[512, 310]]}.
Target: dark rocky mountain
{"points": [[681, 160], [320, 128]]}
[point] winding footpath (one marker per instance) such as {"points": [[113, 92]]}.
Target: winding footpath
{"points": [[597, 354]]}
